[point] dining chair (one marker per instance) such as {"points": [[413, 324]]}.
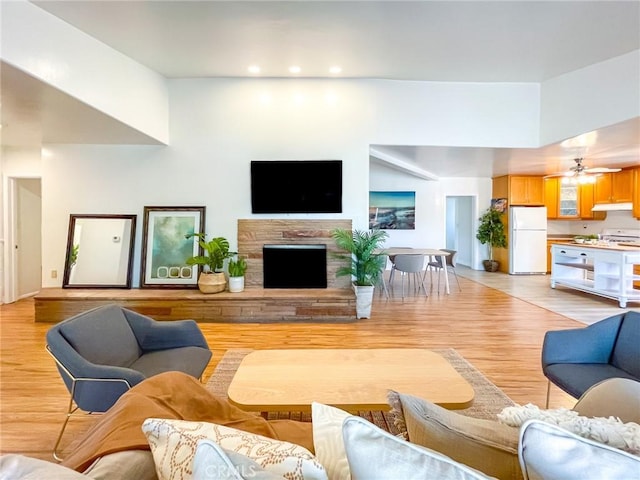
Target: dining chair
{"points": [[392, 259], [411, 264], [450, 265]]}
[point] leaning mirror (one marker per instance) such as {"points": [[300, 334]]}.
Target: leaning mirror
{"points": [[99, 251]]}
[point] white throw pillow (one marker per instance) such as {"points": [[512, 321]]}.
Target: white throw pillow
{"points": [[14, 466], [327, 440], [174, 443], [610, 431], [548, 451], [374, 454]]}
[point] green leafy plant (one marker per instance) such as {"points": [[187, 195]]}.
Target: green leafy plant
{"points": [[237, 268], [366, 261], [216, 249], [491, 230]]}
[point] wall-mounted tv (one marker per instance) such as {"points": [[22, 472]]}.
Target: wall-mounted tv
{"points": [[296, 186]]}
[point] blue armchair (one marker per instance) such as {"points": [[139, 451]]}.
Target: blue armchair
{"points": [[576, 359], [103, 352]]}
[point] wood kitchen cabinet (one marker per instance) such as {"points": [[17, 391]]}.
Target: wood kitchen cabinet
{"points": [[551, 191], [636, 193], [526, 190], [570, 202], [614, 187], [587, 201]]}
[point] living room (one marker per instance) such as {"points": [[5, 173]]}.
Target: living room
{"points": [[190, 141]]}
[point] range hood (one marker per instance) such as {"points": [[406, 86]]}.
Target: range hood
{"points": [[608, 207]]}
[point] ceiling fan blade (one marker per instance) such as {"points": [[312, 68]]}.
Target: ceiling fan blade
{"points": [[601, 170], [556, 175]]}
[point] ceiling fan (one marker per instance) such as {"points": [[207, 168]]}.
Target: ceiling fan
{"points": [[580, 173]]}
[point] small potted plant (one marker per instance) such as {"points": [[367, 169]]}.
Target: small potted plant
{"points": [[491, 232], [366, 263], [236, 269], [212, 278]]}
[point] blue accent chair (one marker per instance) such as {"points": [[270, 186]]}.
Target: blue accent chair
{"points": [[103, 352], [576, 359]]}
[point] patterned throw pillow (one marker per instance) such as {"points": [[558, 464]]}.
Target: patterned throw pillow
{"points": [[327, 440], [174, 443]]}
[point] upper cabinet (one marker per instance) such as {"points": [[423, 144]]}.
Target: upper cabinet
{"points": [[567, 202], [526, 190], [614, 187], [636, 193]]}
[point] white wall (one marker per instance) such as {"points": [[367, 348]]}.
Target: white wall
{"points": [[50, 49], [590, 98], [218, 126]]}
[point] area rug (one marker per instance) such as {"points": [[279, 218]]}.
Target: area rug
{"points": [[489, 400]]}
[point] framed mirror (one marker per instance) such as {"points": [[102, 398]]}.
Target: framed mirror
{"points": [[99, 251]]}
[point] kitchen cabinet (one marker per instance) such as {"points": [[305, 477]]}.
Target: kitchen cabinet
{"points": [[551, 191], [587, 201], [570, 202], [526, 190], [614, 187], [636, 193], [604, 271]]}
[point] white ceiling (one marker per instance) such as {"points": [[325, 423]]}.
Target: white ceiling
{"points": [[467, 41]]}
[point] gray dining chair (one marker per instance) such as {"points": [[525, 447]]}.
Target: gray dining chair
{"points": [[450, 265], [411, 265], [392, 259]]}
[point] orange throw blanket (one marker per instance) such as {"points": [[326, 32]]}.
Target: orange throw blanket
{"points": [[173, 395]]}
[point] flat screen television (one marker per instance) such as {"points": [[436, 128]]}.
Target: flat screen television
{"points": [[296, 186]]}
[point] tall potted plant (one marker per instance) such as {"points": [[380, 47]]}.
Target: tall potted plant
{"points": [[212, 279], [365, 263], [491, 232]]}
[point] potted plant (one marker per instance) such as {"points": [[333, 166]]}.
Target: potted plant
{"points": [[491, 232], [365, 263], [236, 269], [212, 279]]}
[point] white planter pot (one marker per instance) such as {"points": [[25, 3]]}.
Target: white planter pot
{"points": [[236, 284], [364, 300]]}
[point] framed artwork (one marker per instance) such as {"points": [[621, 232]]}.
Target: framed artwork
{"points": [[392, 210], [499, 204], [165, 248]]}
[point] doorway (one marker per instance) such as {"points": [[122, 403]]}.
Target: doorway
{"points": [[459, 228], [23, 249]]}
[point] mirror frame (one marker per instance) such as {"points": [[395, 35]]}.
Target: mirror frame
{"points": [[72, 225]]}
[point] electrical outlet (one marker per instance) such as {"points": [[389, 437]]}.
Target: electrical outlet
{"points": [[54, 274]]}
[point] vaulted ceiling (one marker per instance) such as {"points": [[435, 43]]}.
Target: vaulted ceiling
{"points": [[450, 41]]}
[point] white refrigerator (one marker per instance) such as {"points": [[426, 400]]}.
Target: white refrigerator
{"points": [[528, 240]]}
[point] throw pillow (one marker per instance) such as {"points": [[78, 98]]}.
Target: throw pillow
{"points": [[136, 464], [212, 462], [374, 454], [486, 445], [327, 440], [174, 442], [610, 431], [548, 451], [14, 466]]}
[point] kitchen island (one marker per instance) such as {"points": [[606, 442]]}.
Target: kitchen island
{"points": [[605, 270]]}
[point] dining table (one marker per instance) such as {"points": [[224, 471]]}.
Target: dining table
{"points": [[429, 252]]}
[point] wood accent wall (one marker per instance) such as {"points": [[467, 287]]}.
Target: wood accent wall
{"points": [[254, 233]]}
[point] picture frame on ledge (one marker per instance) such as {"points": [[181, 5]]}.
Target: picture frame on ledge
{"points": [[165, 248]]}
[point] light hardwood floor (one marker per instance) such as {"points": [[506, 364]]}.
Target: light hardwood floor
{"points": [[500, 334]]}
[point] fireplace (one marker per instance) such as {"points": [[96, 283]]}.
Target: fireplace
{"points": [[295, 266]]}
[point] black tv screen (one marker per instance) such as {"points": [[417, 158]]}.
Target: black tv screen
{"points": [[296, 186]]}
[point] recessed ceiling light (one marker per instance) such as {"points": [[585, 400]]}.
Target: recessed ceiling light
{"points": [[294, 69], [335, 69], [254, 69]]}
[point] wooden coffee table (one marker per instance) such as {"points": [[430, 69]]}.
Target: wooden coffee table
{"points": [[289, 380]]}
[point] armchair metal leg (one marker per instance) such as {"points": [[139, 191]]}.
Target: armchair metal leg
{"points": [[70, 411], [548, 392]]}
